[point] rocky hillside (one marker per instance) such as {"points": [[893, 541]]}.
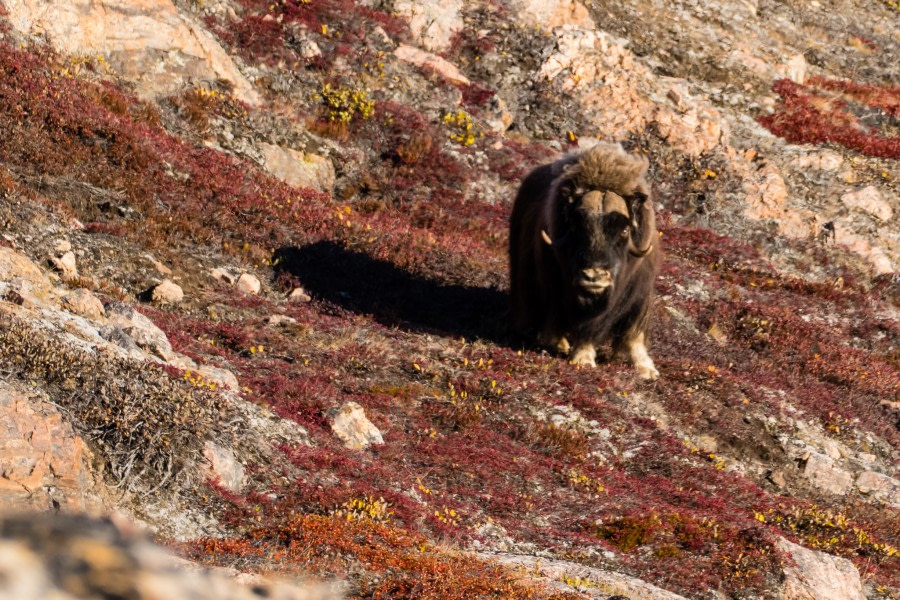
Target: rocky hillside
{"points": [[253, 292]]}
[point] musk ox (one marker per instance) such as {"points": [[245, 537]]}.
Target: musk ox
{"points": [[583, 253]]}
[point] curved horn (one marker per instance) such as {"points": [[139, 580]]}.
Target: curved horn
{"points": [[638, 252], [546, 237], [644, 246]]}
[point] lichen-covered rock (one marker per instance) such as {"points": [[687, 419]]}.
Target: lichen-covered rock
{"points": [[249, 284], [167, 292], [299, 169], [224, 466], [432, 23], [65, 264], [879, 486], [83, 302], [350, 424], [867, 247], [147, 41], [817, 576], [14, 265], [299, 295], [41, 459], [219, 376], [223, 274], [869, 200], [824, 474], [431, 62], [145, 334], [619, 92], [569, 576], [553, 13]]}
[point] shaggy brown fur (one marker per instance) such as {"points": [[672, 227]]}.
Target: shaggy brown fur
{"points": [[584, 253], [608, 167]]}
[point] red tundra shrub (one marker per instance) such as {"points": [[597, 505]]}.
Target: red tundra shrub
{"points": [[808, 114]]}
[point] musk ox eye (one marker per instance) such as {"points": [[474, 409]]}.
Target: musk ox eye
{"points": [[624, 233]]}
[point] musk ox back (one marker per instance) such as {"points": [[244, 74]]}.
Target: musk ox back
{"points": [[583, 253]]}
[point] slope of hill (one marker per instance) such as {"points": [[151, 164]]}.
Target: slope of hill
{"points": [[253, 287]]}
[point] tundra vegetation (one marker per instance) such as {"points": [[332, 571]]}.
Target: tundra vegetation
{"points": [[487, 445]]}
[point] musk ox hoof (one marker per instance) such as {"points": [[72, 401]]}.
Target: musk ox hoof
{"points": [[647, 372], [584, 356]]}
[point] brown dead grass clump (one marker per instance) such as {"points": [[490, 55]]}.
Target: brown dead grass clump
{"points": [[148, 427]]}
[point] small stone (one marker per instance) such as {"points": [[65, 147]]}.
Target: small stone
{"points": [[219, 376], [795, 68], [61, 247], [140, 329], [778, 478], [83, 302], [431, 62], [224, 275], [160, 268], [225, 467], [299, 295], [299, 169], [167, 292], [309, 49], [276, 320], [249, 284], [708, 444], [498, 117], [675, 96], [350, 424], [65, 264]]}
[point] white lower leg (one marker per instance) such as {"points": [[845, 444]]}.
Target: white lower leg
{"points": [[641, 359], [584, 355]]}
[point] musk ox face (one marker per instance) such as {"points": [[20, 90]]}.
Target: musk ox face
{"points": [[595, 237], [583, 255]]}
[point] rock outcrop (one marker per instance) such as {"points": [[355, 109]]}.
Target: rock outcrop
{"points": [[149, 42]]}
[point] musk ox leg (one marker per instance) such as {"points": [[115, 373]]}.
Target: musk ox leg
{"points": [[584, 355], [552, 340], [640, 358]]}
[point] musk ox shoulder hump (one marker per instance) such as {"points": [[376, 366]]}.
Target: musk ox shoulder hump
{"points": [[608, 167]]}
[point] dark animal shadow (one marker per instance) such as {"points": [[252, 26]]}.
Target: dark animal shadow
{"points": [[394, 297]]}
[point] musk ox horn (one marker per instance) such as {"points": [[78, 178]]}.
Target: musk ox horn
{"points": [[593, 201], [643, 247], [638, 252], [546, 237]]}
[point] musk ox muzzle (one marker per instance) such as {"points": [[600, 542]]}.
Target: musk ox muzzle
{"points": [[584, 252]]}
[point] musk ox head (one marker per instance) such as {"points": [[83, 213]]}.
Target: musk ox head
{"points": [[599, 215]]}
